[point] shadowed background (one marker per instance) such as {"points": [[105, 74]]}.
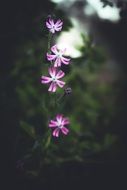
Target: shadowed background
{"points": [[96, 146]]}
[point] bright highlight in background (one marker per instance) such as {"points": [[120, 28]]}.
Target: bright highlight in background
{"points": [[110, 13], [70, 40], [95, 6]]}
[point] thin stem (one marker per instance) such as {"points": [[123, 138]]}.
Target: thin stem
{"points": [[60, 97], [49, 41]]}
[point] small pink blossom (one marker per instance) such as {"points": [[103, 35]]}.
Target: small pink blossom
{"points": [[57, 56], [54, 79], [59, 125], [54, 26]]}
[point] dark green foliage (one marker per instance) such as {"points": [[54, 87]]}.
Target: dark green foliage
{"points": [[90, 107]]}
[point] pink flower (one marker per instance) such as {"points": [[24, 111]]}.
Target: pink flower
{"points": [[54, 79], [59, 124], [52, 26], [57, 56]]}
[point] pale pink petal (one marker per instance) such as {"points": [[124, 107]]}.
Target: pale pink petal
{"points": [[51, 21], [52, 87], [59, 23], [52, 71], [58, 29], [57, 62], [59, 118], [52, 30], [60, 83], [50, 57], [45, 79], [65, 121], [48, 25], [64, 130], [53, 123], [60, 74], [65, 60], [54, 49], [56, 132]]}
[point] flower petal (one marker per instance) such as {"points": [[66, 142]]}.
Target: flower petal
{"points": [[50, 57], [58, 29], [64, 130], [52, 30], [54, 49], [65, 60], [59, 23], [52, 87], [45, 79], [53, 123], [48, 25], [59, 118], [52, 71], [65, 121], [56, 132], [51, 22], [60, 83], [60, 74], [57, 62]]}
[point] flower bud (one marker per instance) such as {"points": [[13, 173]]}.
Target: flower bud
{"points": [[68, 90]]}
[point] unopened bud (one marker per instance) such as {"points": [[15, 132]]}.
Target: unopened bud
{"points": [[68, 90]]}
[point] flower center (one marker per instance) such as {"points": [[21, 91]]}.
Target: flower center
{"points": [[53, 26], [54, 79], [59, 54], [60, 125]]}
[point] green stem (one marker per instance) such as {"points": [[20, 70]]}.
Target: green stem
{"points": [[60, 97], [49, 41]]}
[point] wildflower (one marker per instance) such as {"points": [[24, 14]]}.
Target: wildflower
{"points": [[52, 26], [59, 125], [57, 56], [54, 79]]}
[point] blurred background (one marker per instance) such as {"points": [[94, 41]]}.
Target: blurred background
{"points": [[94, 31]]}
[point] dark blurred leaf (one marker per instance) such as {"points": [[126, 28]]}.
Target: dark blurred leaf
{"points": [[28, 129], [109, 140]]}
